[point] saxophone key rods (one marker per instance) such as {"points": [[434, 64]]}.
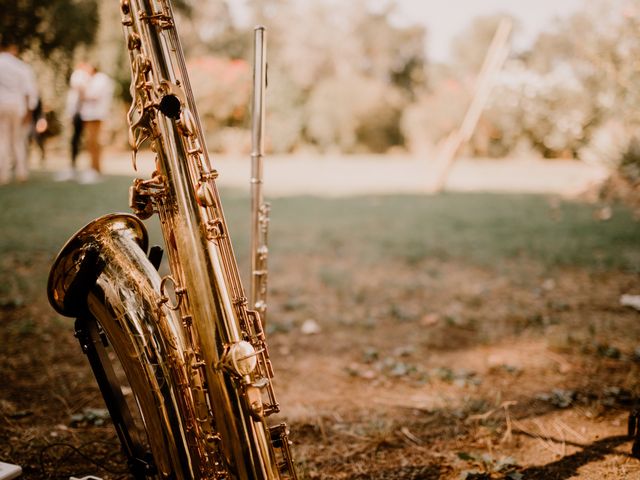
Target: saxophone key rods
{"points": [[191, 345]]}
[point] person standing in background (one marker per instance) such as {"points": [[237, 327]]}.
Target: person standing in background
{"points": [[18, 98], [95, 102], [88, 104], [37, 129], [77, 84]]}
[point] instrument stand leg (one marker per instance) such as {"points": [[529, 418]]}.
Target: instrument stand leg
{"points": [[93, 343]]}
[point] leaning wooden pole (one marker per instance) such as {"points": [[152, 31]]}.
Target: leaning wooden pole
{"points": [[493, 62]]}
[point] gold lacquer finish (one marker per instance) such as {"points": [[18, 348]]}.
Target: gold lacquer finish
{"points": [[104, 269], [193, 353]]}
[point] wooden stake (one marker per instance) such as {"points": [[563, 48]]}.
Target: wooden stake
{"points": [[493, 62]]}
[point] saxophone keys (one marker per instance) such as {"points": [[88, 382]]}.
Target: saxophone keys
{"points": [[253, 397], [215, 229], [213, 439], [141, 204], [186, 123], [125, 8], [178, 293], [210, 175], [241, 358], [134, 42], [205, 195]]}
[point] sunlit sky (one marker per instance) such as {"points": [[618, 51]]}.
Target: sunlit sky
{"points": [[444, 19]]}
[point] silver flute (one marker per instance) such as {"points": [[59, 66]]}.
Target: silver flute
{"points": [[259, 209]]}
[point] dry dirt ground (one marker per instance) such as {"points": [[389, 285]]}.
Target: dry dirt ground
{"points": [[452, 370], [384, 370], [438, 371]]}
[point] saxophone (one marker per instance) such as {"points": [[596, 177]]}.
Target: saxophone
{"points": [[180, 359]]}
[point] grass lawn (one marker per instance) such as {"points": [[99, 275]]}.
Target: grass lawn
{"points": [[485, 229]]}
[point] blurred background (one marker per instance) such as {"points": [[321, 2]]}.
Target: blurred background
{"points": [[487, 332], [374, 77]]}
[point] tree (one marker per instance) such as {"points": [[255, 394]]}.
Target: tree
{"points": [[550, 111], [47, 27], [349, 71], [469, 48], [210, 30], [388, 52], [354, 113], [577, 90]]}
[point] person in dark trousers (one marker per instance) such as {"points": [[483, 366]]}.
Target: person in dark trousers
{"points": [[38, 129], [77, 83], [88, 104], [76, 137]]}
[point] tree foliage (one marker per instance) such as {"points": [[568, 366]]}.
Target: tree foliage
{"points": [[321, 73], [48, 26], [578, 89], [550, 112], [343, 75]]}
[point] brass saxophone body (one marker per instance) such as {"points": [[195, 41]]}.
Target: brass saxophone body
{"points": [[193, 353]]}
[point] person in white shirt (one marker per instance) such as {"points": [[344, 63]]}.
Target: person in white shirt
{"points": [[18, 97], [88, 105], [95, 103]]}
